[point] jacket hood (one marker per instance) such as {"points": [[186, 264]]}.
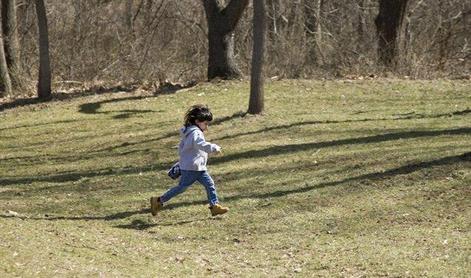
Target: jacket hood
{"points": [[187, 130]]}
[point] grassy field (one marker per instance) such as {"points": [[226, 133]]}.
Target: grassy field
{"points": [[336, 179]]}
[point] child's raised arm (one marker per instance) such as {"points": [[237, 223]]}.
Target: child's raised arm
{"points": [[200, 143]]}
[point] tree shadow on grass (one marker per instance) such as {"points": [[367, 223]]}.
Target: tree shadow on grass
{"points": [[75, 176], [31, 160], [164, 89], [283, 149], [38, 125], [402, 170], [275, 150], [111, 217], [241, 114], [93, 107], [136, 224], [21, 102], [141, 225], [406, 169], [407, 116], [218, 121]]}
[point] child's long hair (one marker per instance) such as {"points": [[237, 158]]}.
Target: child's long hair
{"points": [[198, 112]]}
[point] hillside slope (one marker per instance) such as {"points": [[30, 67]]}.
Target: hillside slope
{"points": [[337, 178]]}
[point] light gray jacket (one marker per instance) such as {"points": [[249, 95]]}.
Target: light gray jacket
{"points": [[193, 149]]}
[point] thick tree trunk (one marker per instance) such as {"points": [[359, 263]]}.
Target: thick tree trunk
{"points": [[221, 24], [4, 75], [389, 25], [44, 79], [10, 40], [256, 103], [221, 62]]}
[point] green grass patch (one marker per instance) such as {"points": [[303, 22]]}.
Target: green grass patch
{"points": [[337, 178]]}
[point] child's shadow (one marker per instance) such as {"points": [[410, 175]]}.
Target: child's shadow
{"points": [[140, 225]]}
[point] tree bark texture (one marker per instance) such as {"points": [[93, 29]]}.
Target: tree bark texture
{"points": [[312, 26], [256, 101], [221, 24], [128, 15], [4, 75], [389, 25], [10, 40], [44, 79]]}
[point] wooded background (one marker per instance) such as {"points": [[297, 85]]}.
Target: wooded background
{"points": [[144, 40]]}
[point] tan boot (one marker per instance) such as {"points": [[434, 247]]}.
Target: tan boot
{"points": [[155, 205], [218, 209]]}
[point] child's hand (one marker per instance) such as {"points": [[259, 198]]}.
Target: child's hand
{"points": [[218, 150]]}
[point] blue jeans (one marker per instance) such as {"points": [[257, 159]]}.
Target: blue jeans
{"points": [[188, 178]]}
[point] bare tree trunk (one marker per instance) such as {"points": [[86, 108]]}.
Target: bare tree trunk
{"points": [[44, 80], [361, 20], [128, 17], [312, 26], [444, 34], [221, 24], [76, 32], [147, 12], [275, 18], [10, 40], [256, 103], [293, 15], [389, 25], [4, 75]]}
